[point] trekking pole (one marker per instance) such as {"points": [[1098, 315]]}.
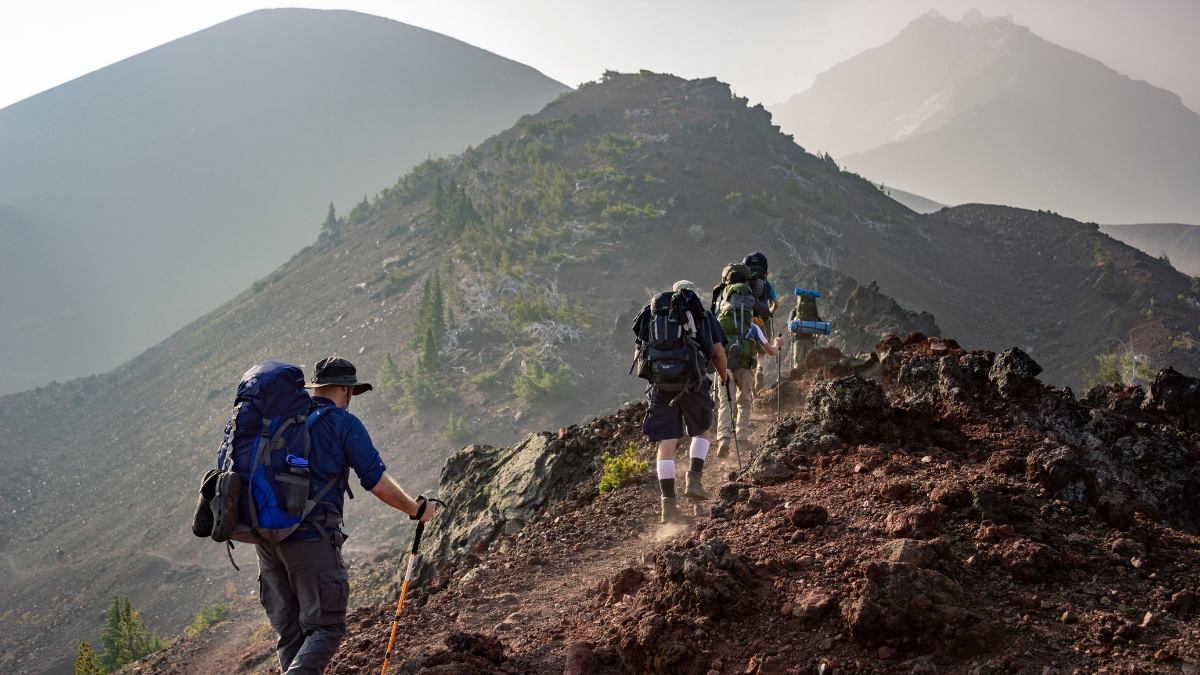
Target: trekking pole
{"points": [[778, 379], [732, 421], [412, 559]]}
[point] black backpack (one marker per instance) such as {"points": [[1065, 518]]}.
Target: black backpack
{"points": [[669, 356]]}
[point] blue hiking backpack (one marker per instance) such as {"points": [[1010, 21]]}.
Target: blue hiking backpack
{"points": [[266, 448]]}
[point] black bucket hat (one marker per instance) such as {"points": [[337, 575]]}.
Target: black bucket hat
{"points": [[338, 372]]}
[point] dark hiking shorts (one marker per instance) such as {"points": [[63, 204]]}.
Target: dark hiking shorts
{"points": [[690, 416]]}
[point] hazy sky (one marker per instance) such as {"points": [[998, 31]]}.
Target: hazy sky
{"points": [[766, 50]]}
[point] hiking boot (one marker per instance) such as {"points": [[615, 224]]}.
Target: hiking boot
{"points": [[695, 489], [723, 447], [670, 512]]}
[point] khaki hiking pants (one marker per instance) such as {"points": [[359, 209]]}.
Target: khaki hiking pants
{"points": [[742, 388], [801, 346]]}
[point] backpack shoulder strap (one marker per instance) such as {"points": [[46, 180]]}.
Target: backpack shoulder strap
{"points": [[313, 416]]}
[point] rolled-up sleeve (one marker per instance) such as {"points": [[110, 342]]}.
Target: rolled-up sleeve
{"points": [[361, 454]]}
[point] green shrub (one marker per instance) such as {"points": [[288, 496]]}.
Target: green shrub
{"points": [[763, 206], [528, 307], [538, 384], [458, 431], [612, 146], [537, 152], [623, 469], [208, 617], [484, 379], [620, 211]]}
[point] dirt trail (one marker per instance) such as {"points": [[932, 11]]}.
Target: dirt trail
{"points": [[531, 601], [243, 643]]}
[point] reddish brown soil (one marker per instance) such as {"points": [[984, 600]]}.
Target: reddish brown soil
{"points": [[908, 574]]}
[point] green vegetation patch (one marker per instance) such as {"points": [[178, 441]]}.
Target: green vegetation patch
{"points": [[458, 431], [624, 469], [538, 384]]}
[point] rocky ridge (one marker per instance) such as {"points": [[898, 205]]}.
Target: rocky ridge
{"points": [[958, 515]]}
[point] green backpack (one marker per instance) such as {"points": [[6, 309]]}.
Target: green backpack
{"points": [[735, 312]]}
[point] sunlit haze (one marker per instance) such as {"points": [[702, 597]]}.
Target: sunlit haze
{"points": [[766, 50]]}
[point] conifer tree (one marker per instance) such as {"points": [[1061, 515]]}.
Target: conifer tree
{"points": [[124, 635], [389, 376], [331, 221], [112, 639], [86, 662], [429, 359]]}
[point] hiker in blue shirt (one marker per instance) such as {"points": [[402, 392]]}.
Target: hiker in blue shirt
{"points": [[303, 581]]}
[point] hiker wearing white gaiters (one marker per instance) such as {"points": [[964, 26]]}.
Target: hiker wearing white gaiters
{"points": [[678, 340]]}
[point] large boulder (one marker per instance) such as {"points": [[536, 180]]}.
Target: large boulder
{"points": [[491, 491], [1175, 398], [849, 407], [770, 467], [1059, 470], [1014, 374], [908, 608]]}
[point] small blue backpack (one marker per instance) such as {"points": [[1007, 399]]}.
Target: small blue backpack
{"points": [[258, 493]]}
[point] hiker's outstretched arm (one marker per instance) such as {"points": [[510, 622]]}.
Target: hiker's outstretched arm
{"points": [[391, 494]]}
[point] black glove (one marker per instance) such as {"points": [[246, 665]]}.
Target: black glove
{"points": [[421, 504]]}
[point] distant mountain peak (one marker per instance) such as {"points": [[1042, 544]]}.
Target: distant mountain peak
{"points": [[974, 17], [981, 110]]}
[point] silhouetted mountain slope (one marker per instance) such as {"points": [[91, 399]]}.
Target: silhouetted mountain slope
{"points": [[543, 235], [985, 111], [167, 182], [1180, 243]]}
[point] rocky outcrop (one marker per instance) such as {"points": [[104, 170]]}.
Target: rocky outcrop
{"points": [[869, 315], [1118, 450], [692, 589], [1175, 399], [902, 606], [491, 491]]}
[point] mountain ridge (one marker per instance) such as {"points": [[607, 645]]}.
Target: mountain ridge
{"points": [[991, 113], [143, 170]]}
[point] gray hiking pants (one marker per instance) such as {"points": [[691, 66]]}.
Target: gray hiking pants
{"points": [[801, 346], [304, 587]]}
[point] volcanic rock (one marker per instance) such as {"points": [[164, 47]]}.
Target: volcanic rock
{"points": [[1029, 561], [1175, 398], [905, 607], [808, 515], [812, 605], [580, 660], [914, 523], [909, 551], [1014, 374], [951, 493], [849, 407], [625, 581], [1005, 464]]}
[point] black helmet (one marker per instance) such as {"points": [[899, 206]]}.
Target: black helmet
{"points": [[756, 261]]}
